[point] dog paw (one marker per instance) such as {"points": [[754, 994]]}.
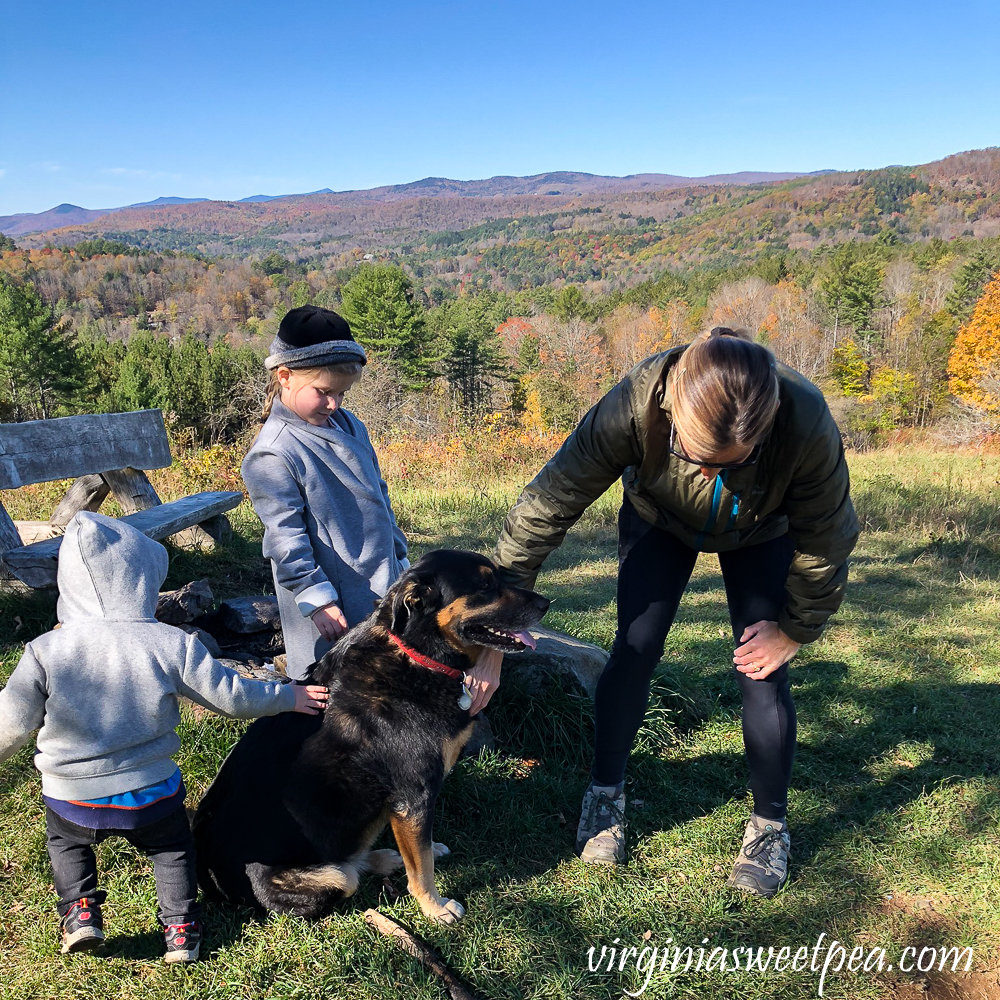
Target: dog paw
{"points": [[450, 913], [440, 850], [384, 862]]}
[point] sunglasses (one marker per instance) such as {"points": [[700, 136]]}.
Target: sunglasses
{"points": [[676, 450]]}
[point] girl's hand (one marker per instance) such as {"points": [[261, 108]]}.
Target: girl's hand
{"points": [[330, 621], [765, 648], [310, 699], [484, 678]]}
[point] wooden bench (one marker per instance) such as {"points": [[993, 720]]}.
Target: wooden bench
{"points": [[104, 453]]}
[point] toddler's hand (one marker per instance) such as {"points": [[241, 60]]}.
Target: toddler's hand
{"points": [[310, 698], [330, 621]]}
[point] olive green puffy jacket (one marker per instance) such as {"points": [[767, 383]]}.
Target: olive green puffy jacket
{"points": [[799, 485]]}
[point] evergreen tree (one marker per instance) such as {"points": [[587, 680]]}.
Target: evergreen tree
{"points": [[851, 287], [971, 279], [378, 303], [144, 375], [190, 391], [471, 354], [100, 361], [39, 368], [570, 304]]}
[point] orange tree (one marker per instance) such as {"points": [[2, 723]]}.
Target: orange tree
{"points": [[974, 363]]}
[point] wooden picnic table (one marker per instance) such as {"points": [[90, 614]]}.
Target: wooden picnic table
{"points": [[104, 453]]}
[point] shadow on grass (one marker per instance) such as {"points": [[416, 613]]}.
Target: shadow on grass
{"points": [[223, 924]]}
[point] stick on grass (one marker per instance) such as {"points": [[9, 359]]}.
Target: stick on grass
{"points": [[428, 958]]}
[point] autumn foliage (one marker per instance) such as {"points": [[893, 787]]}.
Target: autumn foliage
{"points": [[974, 364]]}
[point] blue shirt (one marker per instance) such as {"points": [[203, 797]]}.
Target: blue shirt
{"points": [[127, 810]]}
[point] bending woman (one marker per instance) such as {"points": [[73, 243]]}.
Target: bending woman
{"points": [[720, 449]]}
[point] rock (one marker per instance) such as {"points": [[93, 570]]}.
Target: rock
{"points": [[281, 663], [250, 614], [203, 537], [244, 656], [205, 638], [218, 527], [253, 672], [557, 656], [175, 607], [482, 737]]}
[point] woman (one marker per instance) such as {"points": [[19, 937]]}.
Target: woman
{"points": [[720, 449]]}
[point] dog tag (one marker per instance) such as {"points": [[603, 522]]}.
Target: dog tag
{"points": [[465, 701]]}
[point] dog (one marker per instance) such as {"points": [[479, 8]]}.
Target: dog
{"points": [[289, 822]]}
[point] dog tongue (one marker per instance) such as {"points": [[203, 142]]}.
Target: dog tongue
{"points": [[526, 637]]}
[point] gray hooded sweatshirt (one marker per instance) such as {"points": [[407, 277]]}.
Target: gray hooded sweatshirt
{"points": [[104, 686], [329, 529]]}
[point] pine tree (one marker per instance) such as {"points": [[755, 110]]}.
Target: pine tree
{"points": [[378, 303], [471, 354], [39, 368], [144, 375], [971, 278]]}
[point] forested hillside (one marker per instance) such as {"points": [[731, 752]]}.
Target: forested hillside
{"points": [[474, 306], [608, 234]]}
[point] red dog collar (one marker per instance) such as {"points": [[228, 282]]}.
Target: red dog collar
{"points": [[426, 661]]}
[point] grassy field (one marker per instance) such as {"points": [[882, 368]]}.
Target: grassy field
{"points": [[894, 807]]}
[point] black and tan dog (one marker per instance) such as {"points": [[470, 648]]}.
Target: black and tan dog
{"points": [[289, 822]]}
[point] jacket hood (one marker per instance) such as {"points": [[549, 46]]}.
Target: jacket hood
{"points": [[109, 570]]}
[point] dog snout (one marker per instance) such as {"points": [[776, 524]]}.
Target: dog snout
{"points": [[542, 603], [534, 601]]}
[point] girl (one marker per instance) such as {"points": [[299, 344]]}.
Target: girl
{"points": [[720, 449], [314, 480]]}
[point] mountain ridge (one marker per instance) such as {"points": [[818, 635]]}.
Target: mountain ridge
{"points": [[25, 223]]}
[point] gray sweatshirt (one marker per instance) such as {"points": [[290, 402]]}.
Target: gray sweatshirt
{"points": [[329, 529], [104, 686]]}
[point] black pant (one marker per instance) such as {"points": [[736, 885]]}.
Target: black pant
{"points": [[167, 842], [653, 570]]}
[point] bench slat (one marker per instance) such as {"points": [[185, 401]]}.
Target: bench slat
{"points": [[38, 451], [35, 564]]}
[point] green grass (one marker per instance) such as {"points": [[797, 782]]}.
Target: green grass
{"points": [[894, 808]]}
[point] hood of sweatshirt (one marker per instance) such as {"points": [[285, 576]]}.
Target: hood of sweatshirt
{"points": [[108, 570]]}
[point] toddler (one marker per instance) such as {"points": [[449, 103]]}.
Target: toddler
{"points": [[103, 690]]}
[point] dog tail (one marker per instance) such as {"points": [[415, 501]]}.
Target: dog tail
{"points": [[307, 892]]}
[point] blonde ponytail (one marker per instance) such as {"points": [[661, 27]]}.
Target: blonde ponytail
{"points": [[272, 393], [725, 392]]}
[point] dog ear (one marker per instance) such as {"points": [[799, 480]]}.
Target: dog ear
{"points": [[410, 594]]}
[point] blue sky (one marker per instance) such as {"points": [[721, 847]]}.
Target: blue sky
{"points": [[110, 103]]}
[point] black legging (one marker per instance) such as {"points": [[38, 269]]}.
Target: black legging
{"points": [[654, 568]]}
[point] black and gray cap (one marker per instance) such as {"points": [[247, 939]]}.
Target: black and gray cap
{"points": [[311, 337]]}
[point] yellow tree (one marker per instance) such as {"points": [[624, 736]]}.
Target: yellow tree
{"points": [[974, 364], [631, 334], [791, 332]]}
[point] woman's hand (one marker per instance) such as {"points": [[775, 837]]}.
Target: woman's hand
{"points": [[765, 648], [310, 699], [330, 621], [484, 678]]}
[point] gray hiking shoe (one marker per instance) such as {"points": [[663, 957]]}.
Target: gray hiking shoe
{"points": [[600, 837], [762, 865], [82, 926]]}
